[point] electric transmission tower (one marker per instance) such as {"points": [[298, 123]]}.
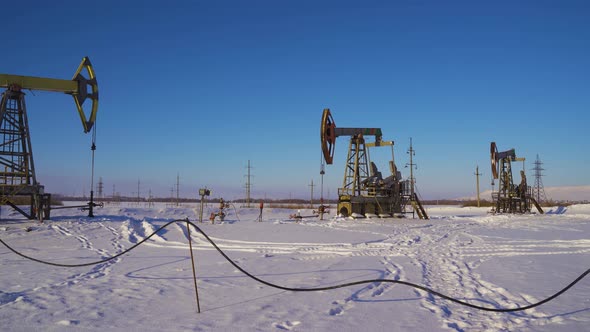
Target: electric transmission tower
{"points": [[538, 189], [248, 184], [100, 188]]}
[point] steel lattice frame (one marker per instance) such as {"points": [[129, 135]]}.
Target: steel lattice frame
{"points": [[17, 169], [16, 156]]}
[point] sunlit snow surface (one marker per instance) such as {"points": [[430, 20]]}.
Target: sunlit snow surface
{"points": [[500, 261]]}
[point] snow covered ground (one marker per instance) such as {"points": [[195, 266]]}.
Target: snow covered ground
{"points": [[496, 261]]}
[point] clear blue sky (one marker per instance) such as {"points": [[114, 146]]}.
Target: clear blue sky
{"points": [[198, 88]]}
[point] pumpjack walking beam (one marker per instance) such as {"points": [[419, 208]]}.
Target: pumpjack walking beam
{"points": [[329, 132], [78, 87], [357, 165], [17, 172]]}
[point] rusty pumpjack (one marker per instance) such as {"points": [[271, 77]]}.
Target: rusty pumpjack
{"points": [[510, 198], [364, 190]]}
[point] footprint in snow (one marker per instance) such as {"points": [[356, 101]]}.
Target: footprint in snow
{"points": [[288, 325], [68, 322]]}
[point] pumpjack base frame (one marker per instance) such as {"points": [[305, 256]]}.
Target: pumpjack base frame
{"points": [[39, 207], [520, 205], [378, 205], [347, 205], [512, 205]]}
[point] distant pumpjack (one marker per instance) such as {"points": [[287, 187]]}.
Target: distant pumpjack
{"points": [[510, 198], [364, 190]]}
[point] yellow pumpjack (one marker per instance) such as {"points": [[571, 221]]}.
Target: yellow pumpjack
{"points": [[17, 176]]}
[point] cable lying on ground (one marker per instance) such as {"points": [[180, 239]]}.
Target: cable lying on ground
{"points": [[96, 262], [313, 289]]}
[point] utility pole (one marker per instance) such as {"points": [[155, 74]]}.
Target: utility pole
{"points": [[311, 200], [138, 195], [321, 208], [477, 174], [322, 172], [177, 188], [248, 185], [412, 153], [203, 192]]}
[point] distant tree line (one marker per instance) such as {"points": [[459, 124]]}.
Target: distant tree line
{"points": [[276, 202], [192, 200]]}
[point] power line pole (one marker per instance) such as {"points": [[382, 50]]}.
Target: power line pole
{"points": [[477, 174], [539, 189], [177, 188], [321, 208], [412, 153], [311, 199], [322, 172], [248, 185], [138, 195]]}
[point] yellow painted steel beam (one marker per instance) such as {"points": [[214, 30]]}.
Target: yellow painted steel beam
{"points": [[77, 87], [39, 83]]}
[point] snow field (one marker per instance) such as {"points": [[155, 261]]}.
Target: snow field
{"points": [[493, 260]]}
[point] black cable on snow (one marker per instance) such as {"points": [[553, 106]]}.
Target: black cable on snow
{"points": [[311, 289]]}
